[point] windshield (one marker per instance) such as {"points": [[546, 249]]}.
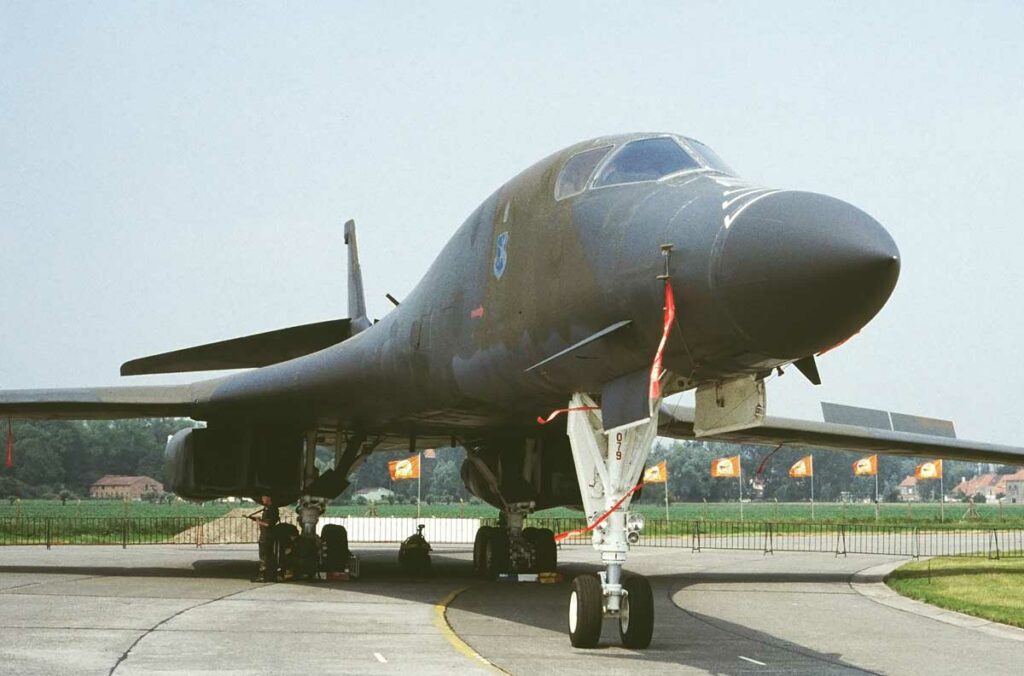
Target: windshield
{"points": [[577, 171], [710, 157], [646, 160]]}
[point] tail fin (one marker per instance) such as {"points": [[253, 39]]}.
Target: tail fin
{"points": [[356, 297]]}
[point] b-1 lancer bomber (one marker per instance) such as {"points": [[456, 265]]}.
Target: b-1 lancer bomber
{"points": [[544, 339]]}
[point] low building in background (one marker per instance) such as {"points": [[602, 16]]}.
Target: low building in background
{"points": [[1007, 487], [908, 490], [118, 486], [374, 494]]}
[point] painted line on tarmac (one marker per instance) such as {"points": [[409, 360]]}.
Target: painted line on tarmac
{"points": [[442, 625], [380, 658], [752, 661]]}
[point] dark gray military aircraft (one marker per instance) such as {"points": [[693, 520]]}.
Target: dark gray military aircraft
{"points": [[600, 280]]}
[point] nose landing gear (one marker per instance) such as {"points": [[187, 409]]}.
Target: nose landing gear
{"points": [[608, 467]]}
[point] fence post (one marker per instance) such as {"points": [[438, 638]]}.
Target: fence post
{"points": [[769, 544], [995, 541], [695, 538], [917, 542], [124, 533], [49, 519], [841, 540]]}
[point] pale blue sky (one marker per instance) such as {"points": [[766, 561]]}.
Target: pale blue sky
{"points": [[176, 173]]}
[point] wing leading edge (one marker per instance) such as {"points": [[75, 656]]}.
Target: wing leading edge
{"points": [[677, 422], [105, 403]]}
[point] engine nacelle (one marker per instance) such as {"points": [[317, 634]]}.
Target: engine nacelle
{"points": [[205, 463]]}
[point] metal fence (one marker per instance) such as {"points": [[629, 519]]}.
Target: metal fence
{"points": [[837, 539], [695, 535]]}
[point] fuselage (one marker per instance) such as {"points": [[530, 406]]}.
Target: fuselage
{"points": [[571, 246]]}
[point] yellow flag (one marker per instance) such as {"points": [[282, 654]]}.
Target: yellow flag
{"points": [[802, 468], [657, 474], [724, 468], [405, 469], [929, 470], [866, 466]]}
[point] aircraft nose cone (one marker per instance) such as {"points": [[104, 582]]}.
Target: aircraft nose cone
{"points": [[800, 272]]}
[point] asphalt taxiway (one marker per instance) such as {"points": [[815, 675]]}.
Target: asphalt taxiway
{"points": [[179, 609]]}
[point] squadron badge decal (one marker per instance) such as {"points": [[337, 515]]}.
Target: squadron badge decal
{"points": [[500, 254]]}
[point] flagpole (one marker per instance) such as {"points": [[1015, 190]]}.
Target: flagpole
{"points": [[419, 483], [812, 489], [740, 463], [666, 492], [942, 500], [876, 489]]}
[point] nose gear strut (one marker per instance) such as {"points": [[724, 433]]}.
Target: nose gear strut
{"points": [[608, 466]]}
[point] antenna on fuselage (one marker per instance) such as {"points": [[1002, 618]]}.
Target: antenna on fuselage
{"points": [[356, 297]]}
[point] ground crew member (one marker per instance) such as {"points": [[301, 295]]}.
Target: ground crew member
{"points": [[267, 518]]}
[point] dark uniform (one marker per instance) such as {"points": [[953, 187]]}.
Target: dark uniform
{"points": [[267, 518]]}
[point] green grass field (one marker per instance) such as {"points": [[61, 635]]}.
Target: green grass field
{"points": [[921, 514], [113, 508], [992, 589]]}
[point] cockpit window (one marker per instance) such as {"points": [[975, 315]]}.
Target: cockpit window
{"points": [[710, 157], [577, 171], [645, 160]]}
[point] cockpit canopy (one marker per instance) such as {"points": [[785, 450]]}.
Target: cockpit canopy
{"points": [[643, 159]]}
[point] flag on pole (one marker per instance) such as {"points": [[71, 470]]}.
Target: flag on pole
{"points": [[802, 468], [866, 466], [657, 474], [929, 470], [405, 469], [723, 468]]}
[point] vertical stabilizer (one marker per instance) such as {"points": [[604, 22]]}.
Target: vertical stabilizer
{"points": [[356, 297]]}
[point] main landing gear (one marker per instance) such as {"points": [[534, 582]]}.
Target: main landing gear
{"points": [[510, 548], [608, 466]]}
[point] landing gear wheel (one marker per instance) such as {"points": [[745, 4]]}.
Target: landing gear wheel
{"points": [[479, 548], [334, 541], [585, 611], [636, 613], [545, 551], [495, 560]]}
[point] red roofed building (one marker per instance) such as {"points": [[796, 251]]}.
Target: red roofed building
{"points": [[908, 489], [118, 486], [1012, 486], [992, 486], [985, 484]]}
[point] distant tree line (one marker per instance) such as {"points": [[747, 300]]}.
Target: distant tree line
{"points": [[55, 456]]}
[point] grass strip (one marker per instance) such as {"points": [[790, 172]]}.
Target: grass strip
{"points": [[992, 589]]}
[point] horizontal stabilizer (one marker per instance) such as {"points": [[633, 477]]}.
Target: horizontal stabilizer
{"points": [[261, 349], [677, 422]]}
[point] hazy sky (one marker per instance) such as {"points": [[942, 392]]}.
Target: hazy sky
{"points": [[177, 173]]}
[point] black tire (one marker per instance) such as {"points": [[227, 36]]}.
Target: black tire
{"points": [[636, 613], [585, 611], [547, 551], [496, 559], [479, 546], [334, 540]]}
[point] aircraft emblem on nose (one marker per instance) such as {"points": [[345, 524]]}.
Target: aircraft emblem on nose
{"points": [[500, 254]]}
